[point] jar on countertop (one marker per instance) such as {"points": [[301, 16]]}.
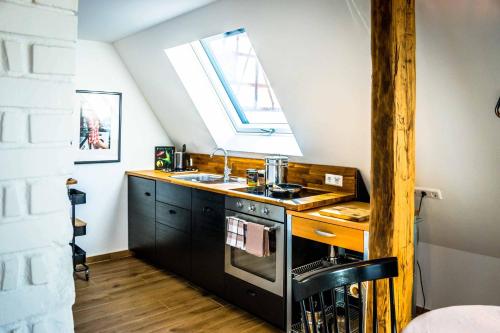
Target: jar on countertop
{"points": [[252, 177]]}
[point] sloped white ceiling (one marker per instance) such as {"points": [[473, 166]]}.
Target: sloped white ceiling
{"points": [[302, 54], [317, 57], [110, 20]]}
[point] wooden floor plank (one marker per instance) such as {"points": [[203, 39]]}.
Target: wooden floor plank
{"points": [[134, 287], [128, 295], [169, 318], [122, 318]]}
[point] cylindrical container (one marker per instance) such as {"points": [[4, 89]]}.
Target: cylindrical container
{"points": [[252, 177], [276, 169], [180, 159], [261, 179]]}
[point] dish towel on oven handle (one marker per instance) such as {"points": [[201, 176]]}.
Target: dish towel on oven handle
{"points": [[235, 232], [257, 240]]}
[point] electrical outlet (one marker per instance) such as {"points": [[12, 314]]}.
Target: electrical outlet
{"points": [[430, 192], [335, 180]]}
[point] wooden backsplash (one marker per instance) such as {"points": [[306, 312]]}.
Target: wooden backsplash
{"points": [[310, 175]]}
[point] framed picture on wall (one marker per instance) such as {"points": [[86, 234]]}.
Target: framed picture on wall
{"points": [[97, 137]]}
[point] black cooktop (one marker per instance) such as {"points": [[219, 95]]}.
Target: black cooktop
{"points": [[264, 192]]}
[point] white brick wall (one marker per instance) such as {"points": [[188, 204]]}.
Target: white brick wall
{"points": [[60, 124], [37, 21], [53, 60], [11, 201], [18, 92], [13, 129], [37, 64], [64, 4], [47, 196], [14, 51]]}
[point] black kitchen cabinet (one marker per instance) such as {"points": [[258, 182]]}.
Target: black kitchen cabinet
{"points": [[173, 228], [141, 217], [179, 196], [179, 229], [208, 241], [182, 230], [174, 217], [173, 250], [258, 301]]}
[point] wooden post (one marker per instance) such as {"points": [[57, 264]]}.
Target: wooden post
{"points": [[393, 150]]}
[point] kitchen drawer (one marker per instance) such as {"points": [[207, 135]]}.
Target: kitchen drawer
{"points": [[348, 238], [141, 196], [172, 194], [173, 250], [255, 300], [173, 216]]}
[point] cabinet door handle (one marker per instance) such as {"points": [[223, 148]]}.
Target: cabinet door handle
{"points": [[147, 194], [172, 211], [207, 210], [324, 233]]}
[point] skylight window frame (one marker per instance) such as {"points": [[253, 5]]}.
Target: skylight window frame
{"points": [[210, 107], [225, 93], [215, 64]]}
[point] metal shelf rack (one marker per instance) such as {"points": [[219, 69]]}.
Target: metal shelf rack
{"points": [[77, 197], [340, 305]]}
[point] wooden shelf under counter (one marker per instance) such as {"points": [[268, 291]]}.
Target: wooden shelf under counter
{"points": [[312, 225]]}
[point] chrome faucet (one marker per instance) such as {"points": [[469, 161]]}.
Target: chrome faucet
{"points": [[227, 170]]}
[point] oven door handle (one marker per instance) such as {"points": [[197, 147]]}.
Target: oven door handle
{"points": [[324, 233]]}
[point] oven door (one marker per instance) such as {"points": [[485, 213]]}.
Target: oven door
{"points": [[263, 272]]}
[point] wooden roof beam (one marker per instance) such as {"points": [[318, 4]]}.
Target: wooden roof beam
{"points": [[393, 149]]}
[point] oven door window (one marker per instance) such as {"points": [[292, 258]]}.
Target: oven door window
{"points": [[264, 267]]}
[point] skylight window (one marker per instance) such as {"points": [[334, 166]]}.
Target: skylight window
{"points": [[253, 104], [232, 94]]}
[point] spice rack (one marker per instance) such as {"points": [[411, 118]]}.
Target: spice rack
{"points": [[77, 197]]}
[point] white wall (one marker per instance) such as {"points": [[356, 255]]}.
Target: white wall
{"points": [[100, 68], [458, 84], [317, 57], [304, 53], [37, 64], [458, 47], [454, 277]]}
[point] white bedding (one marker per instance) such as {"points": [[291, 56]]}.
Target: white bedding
{"points": [[457, 319]]}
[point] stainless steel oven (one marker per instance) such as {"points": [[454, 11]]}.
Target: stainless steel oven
{"points": [[264, 272]]}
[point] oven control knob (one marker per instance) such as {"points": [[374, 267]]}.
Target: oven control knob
{"points": [[239, 204], [251, 208], [265, 211]]}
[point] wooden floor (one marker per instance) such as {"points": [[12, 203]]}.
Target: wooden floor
{"points": [[128, 295]]}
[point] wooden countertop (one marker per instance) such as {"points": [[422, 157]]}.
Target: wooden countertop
{"points": [[313, 214], [296, 204]]}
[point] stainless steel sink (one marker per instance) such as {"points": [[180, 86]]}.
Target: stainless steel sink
{"points": [[206, 178]]}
